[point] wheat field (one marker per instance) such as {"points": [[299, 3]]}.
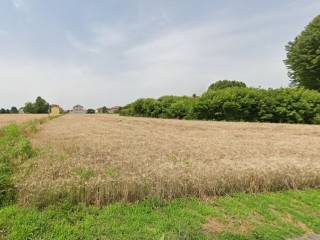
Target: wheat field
{"points": [[6, 119], [101, 158]]}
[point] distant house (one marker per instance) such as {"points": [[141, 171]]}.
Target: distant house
{"points": [[102, 110], [108, 110], [114, 109], [78, 109], [55, 110], [99, 110]]}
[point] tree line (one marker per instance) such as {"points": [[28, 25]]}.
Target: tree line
{"points": [[13, 110], [234, 103], [38, 106]]}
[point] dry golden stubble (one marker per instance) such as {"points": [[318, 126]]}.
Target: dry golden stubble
{"points": [[101, 158], [6, 119]]}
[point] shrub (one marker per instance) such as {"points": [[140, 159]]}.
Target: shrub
{"points": [[286, 105], [164, 107], [91, 111], [221, 84]]}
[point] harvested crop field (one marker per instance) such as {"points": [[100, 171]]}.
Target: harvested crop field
{"points": [[6, 119], [101, 158]]}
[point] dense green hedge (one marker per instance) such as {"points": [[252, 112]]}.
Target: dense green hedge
{"points": [[283, 105], [287, 105], [164, 107]]}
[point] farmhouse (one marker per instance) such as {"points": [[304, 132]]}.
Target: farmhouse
{"points": [[107, 110], [103, 109], [55, 110], [113, 109], [78, 109]]}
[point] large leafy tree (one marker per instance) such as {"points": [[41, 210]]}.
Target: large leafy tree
{"points": [[29, 108], [39, 106], [303, 57], [221, 84], [104, 109], [14, 110]]}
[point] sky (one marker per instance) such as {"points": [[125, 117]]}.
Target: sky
{"points": [[111, 52]]}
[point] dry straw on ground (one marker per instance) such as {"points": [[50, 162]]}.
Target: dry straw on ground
{"points": [[101, 158], [6, 119]]}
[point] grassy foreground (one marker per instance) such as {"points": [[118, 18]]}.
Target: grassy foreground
{"points": [[243, 216]]}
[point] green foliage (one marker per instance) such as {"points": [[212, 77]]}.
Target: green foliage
{"points": [[6, 111], [104, 109], [164, 107], [14, 110], [281, 215], [111, 172], [85, 173], [6, 185], [29, 108], [13, 145], [303, 57], [39, 106], [284, 105], [150, 219], [91, 111], [221, 84]]}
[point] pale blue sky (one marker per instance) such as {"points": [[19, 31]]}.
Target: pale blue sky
{"points": [[100, 52]]}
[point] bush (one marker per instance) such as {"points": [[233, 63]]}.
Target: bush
{"points": [[91, 111], [284, 105], [221, 84], [164, 107]]}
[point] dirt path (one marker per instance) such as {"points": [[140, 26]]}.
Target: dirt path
{"points": [[314, 237]]}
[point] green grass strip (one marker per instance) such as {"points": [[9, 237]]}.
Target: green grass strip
{"points": [[15, 147], [279, 215]]}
